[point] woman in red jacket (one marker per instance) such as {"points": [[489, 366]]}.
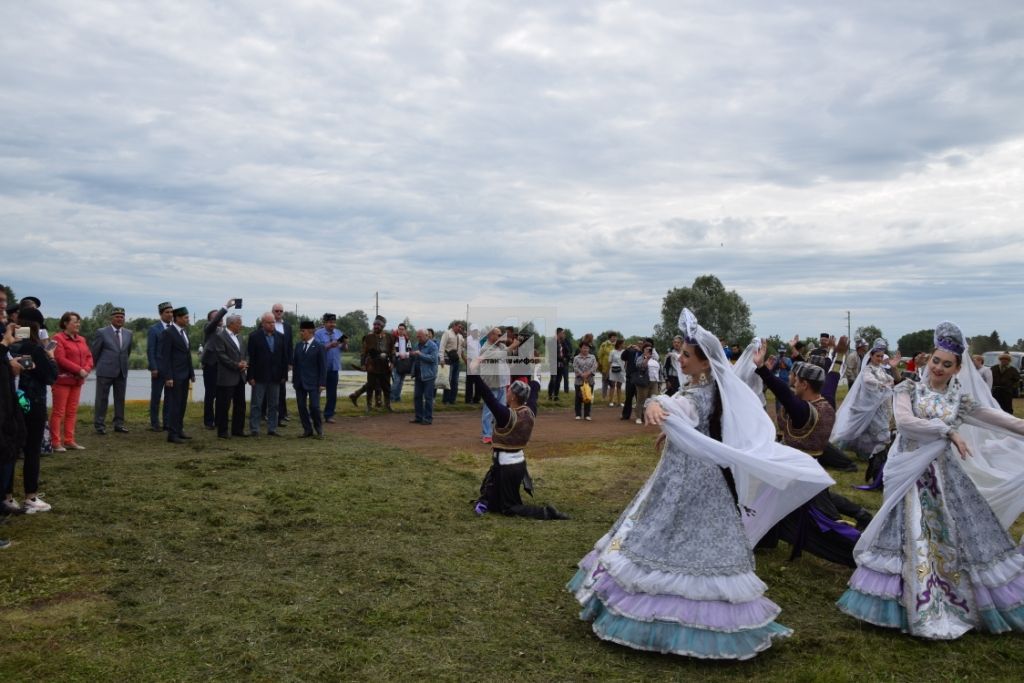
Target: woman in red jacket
{"points": [[74, 362]]}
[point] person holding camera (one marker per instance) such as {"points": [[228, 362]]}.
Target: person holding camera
{"points": [[453, 350], [74, 363], [38, 371]]}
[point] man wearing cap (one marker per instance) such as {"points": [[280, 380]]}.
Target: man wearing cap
{"points": [[268, 368], [1005, 379], [153, 336], [453, 352], [854, 359], [176, 370], [378, 346], [309, 377], [232, 362], [807, 425], [111, 347], [332, 341]]}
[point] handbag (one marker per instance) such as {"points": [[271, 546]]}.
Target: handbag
{"points": [[587, 392], [639, 377]]}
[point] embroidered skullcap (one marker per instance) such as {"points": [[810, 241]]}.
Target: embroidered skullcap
{"points": [[161, 307], [521, 390], [177, 312], [810, 371], [117, 310], [948, 337], [329, 317]]}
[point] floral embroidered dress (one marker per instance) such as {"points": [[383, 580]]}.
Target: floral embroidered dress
{"points": [[937, 561], [675, 574]]}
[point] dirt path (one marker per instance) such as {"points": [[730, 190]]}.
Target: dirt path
{"points": [[556, 432]]}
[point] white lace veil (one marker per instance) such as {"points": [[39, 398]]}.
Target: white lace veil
{"points": [[861, 403], [745, 367], [771, 479]]}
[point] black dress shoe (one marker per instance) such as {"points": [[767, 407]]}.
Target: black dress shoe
{"points": [[101, 432], [223, 436], [551, 512], [156, 428], [306, 435], [121, 430], [273, 434], [174, 439], [240, 436], [416, 421], [209, 426], [184, 436]]}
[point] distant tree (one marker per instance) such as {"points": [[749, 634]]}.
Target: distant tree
{"points": [[1019, 346], [140, 324], [869, 333], [355, 324], [986, 342], [100, 318], [723, 312], [915, 342], [465, 325]]}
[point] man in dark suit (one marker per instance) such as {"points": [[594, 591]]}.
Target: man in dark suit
{"points": [[209, 362], [268, 368], [176, 371], [284, 328], [232, 361], [309, 376], [111, 346], [156, 390]]}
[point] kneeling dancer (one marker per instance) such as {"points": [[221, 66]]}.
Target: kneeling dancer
{"points": [[513, 425]]}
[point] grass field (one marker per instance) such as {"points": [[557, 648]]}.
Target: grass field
{"points": [[342, 559]]}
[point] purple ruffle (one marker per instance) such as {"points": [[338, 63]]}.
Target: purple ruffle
{"points": [[875, 583], [1005, 597], [716, 615]]}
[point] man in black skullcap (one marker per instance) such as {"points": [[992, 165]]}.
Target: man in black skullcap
{"points": [[157, 421], [176, 371]]}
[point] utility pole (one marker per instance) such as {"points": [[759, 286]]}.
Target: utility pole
{"points": [[376, 303], [849, 327]]}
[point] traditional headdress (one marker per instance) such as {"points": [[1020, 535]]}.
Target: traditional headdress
{"points": [[881, 344], [948, 337]]}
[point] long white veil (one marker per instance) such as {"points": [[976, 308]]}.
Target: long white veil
{"points": [[745, 367], [861, 403], [771, 479]]}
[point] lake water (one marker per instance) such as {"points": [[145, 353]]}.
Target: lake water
{"points": [[350, 380]]}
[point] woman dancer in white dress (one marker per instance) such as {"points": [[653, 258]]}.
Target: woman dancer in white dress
{"points": [[937, 559], [675, 573]]}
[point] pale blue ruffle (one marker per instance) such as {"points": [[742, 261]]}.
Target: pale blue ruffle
{"points": [[671, 638], [873, 609], [1001, 621]]}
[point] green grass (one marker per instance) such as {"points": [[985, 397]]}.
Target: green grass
{"points": [[347, 560]]}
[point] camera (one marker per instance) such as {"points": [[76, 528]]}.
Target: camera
{"points": [[26, 362], [22, 333], [238, 303]]}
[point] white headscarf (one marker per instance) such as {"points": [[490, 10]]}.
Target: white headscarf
{"points": [[861, 403], [771, 479]]}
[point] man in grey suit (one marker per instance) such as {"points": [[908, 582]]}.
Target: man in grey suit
{"points": [[232, 358], [111, 346]]}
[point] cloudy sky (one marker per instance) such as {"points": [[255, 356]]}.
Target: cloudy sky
{"points": [[817, 157]]}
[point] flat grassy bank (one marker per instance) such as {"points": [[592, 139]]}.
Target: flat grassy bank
{"points": [[292, 559]]}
